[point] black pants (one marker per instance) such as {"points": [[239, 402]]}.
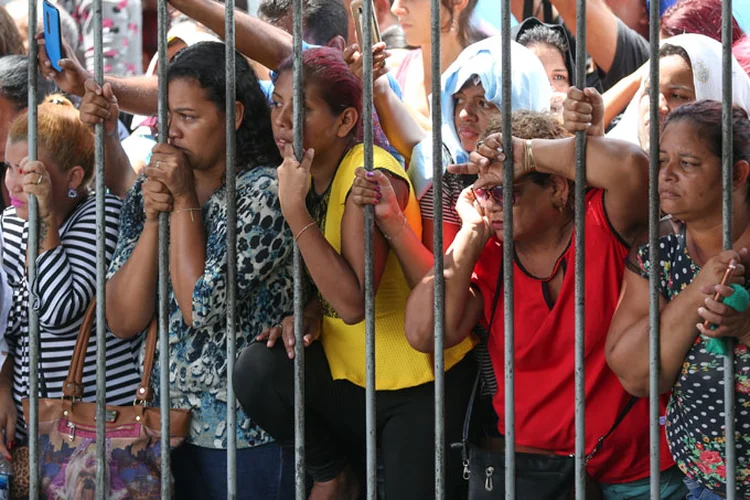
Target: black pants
{"points": [[335, 419]]}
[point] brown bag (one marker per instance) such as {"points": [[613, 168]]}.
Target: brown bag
{"points": [[67, 434]]}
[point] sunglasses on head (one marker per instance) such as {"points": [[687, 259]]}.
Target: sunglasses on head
{"points": [[484, 194]]}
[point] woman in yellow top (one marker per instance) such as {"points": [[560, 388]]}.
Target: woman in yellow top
{"points": [[329, 228]]}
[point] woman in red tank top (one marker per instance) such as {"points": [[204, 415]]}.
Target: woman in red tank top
{"points": [[544, 306]]}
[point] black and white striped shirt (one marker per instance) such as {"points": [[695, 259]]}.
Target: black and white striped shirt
{"points": [[66, 284]]}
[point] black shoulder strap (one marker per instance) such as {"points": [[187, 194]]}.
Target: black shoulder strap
{"points": [[618, 420]]}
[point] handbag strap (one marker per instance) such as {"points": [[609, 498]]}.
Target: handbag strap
{"points": [[470, 409], [73, 387]]}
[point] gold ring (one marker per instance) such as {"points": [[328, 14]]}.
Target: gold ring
{"points": [[39, 180]]}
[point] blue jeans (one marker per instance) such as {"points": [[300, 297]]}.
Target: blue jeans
{"points": [[263, 472], [696, 491], [672, 487]]}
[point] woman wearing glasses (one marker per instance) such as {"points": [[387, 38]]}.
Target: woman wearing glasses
{"points": [[544, 307]]}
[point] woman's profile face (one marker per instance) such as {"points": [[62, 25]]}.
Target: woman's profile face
{"points": [[196, 125], [15, 152], [471, 114], [689, 173], [414, 18], [322, 127], [676, 87]]}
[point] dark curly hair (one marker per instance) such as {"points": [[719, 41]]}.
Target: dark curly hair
{"points": [[204, 63]]}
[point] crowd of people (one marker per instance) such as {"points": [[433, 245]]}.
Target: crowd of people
{"points": [[318, 201]]}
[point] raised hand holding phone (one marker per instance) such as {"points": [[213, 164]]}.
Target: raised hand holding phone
{"points": [[52, 35]]}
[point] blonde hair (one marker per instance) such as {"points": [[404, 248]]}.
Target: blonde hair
{"points": [[61, 134]]}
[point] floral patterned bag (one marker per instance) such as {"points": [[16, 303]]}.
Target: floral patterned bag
{"points": [[67, 434]]}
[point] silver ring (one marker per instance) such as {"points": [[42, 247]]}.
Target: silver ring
{"points": [[479, 144], [39, 180], [158, 164]]}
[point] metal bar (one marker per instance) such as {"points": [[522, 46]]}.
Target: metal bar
{"points": [[163, 287], [299, 328], [371, 432], [508, 250], [580, 268], [437, 250], [653, 239], [33, 252], [231, 180], [102, 488], [728, 237]]}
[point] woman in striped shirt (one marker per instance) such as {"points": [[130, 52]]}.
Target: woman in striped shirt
{"points": [[66, 265]]}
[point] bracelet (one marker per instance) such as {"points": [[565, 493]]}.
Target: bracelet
{"points": [[529, 164], [191, 210], [391, 238], [301, 231]]}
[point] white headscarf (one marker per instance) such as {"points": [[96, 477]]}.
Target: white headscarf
{"points": [[530, 89], [705, 58]]}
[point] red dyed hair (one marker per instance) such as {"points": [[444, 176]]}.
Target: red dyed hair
{"points": [[697, 16], [325, 68]]}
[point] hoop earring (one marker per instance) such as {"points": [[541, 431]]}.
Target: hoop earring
{"points": [[72, 193]]}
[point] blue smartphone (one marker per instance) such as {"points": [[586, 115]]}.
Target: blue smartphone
{"points": [[52, 34]]}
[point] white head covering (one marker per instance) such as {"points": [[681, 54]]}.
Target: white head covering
{"points": [[530, 89], [705, 58]]}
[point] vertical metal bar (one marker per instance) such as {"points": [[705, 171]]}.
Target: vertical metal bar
{"points": [[437, 249], [371, 461], [508, 250], [580, 267], [727, 167], [653, 238], [33, 251], [163, 287], [299, 328], [102, 488], [231, 180]]}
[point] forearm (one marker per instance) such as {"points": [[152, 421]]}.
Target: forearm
{"points": [[617, 98], [187, 253], [137, 95], [256, 39], [415, 259], [397, 123], [131, 292], [49, 233], [119, 176], [630, 356], [459, 265], [601, 29], [334, 278], [610, 164]]}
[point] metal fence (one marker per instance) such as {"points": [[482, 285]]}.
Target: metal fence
{"points": [[371, 469]]}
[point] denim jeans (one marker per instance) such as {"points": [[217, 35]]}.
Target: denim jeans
{"points": [[263, 472], [671, 481], [696, 491]]}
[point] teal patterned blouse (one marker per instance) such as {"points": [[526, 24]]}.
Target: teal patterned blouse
{"points": [[197, 357]]}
